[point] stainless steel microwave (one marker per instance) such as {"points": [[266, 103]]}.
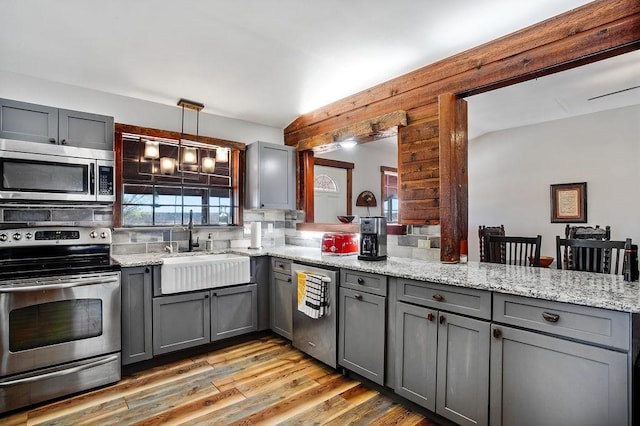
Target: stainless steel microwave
{"points": [[33, 171]]}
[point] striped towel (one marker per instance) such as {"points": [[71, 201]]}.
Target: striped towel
{"points": [[312, 294]]}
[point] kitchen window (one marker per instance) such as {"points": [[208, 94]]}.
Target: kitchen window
{"points": [[151, 197]]}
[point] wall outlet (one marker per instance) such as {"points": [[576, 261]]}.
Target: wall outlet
{"points": [[269, 227], [425, 244]]}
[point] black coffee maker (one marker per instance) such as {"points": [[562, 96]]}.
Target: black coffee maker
{"points": [[373, 238]]}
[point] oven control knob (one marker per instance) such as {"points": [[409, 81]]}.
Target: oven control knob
{"points": [[4, 237], [28, 235], [103, 234], [93, 234], [17, 236]]}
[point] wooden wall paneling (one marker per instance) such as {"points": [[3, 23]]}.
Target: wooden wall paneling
{"points": [[574, 25], [238, 169], [418, 173], [454, 214]]}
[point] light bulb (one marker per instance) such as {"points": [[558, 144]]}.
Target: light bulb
{"points": [[222, 155], [151, 150], [189, 155], [208, 164]]}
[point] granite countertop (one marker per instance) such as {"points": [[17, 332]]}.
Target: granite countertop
{"points": [[581, 288]]}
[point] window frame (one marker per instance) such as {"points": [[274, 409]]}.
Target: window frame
{"points": [[384, 172]]}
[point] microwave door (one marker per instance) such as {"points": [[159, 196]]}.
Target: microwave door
{"points": [[30, 176]]}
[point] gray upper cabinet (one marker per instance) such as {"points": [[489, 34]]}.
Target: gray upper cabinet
{"points": [[28, 122], [234, 311], [136, 314], [44, 124], [85, 130], [270, 176]]}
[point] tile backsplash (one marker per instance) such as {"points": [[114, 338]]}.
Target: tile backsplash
{"points": [[16, 215]]}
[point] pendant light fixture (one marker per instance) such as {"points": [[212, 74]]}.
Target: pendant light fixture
{"points": [[222, 155], [151, 150]]}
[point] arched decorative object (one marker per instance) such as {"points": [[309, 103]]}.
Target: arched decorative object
{"points": [[366, 199]]}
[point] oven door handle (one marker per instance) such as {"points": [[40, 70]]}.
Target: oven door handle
{"points": [[61, 286], [60, 372]]}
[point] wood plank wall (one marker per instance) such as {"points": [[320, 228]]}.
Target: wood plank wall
{"points": [[598, 30]]}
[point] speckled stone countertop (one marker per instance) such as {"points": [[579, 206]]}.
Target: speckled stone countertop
{"points": [[580, 288]]}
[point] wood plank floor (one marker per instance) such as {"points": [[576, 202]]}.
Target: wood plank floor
{"points": [[264, 381]]}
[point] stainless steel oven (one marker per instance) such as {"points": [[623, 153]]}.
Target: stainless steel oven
{"points": [[59, 313], [40, 172]]}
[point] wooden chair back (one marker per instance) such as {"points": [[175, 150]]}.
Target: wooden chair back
{"points": [[522, 251], [484, 231], [601, 256], [587, 232]]}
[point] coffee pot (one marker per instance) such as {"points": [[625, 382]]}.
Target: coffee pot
{"points": [[373, 238]]}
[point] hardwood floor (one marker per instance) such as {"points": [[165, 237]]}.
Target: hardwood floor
{"points": [[264, 381]]}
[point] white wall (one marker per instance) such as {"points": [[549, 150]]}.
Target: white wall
{"points": [[367, 159], [510, 172], [129, 110]]}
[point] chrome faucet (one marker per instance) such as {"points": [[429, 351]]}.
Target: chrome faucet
{"points": [[191, 243]]}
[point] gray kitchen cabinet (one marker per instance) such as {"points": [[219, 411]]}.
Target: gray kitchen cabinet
{"points": [[571, 365], [270, 176], [44, 124], [361, 333], [136, 314], [260, 267], [234, 311], [442, 362], [181, 321], [281, 312]]}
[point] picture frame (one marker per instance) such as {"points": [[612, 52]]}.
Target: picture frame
{"points": [[569, 203]]}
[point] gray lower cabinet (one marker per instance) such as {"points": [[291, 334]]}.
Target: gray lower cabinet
{"points": [[260, 270], [361, 333], [281, 314], [39, 123], [442, 362], [538, 379], [234, 311], [136, 314], [181, 321]]}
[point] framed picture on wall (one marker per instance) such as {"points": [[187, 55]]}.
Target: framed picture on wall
{"points": [[569, 203]]}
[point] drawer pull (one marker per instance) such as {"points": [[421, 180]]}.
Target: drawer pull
{"points": [[438, 297], [442, 319], [360, 280], [281, 265], [289, 279], [358, 296], [430, 317], [550, 317], [497, 333]]}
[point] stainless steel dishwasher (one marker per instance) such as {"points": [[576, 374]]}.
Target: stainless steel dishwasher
{"points": [[317, 336]]}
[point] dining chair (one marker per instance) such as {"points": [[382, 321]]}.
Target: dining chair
{"points": [[510, 250], [484, 231], [601, 256], [587, 232]]}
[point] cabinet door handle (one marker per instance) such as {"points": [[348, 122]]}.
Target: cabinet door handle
{"points": [[358, 296], [206, 296], [63, 142], [215, 294], [281, 265], [147, 270], [442, 319], [430, 317], [497, 333], [550, 317], [438, 297], [288, 280], [52, 140], [360, 280]]}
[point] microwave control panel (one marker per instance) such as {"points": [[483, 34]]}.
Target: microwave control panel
{"points": [[105, 180]]}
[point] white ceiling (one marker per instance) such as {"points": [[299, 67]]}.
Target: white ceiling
{"points": [[257, 60]]}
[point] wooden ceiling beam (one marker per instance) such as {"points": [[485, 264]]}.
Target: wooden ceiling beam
{"points": [[378, 127]]}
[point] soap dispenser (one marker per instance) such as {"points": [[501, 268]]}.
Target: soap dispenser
{"points": [[209, 243]]}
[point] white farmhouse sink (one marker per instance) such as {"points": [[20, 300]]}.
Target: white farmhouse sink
{"points": [[188, 273]]}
